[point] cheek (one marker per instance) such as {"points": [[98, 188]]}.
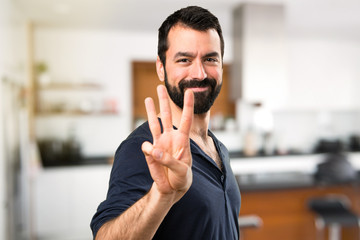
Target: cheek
{"points": [[175, 75], [215, 73]]}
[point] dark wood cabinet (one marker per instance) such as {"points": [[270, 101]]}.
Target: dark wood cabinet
{"points": [[285, 214], [145, 80]]}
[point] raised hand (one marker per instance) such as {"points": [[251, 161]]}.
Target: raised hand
{"points": [[169, 157]]}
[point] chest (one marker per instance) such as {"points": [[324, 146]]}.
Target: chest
{"points": [[209, 209], [212, 191], [210, 150]]}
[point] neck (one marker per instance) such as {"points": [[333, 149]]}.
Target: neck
{"points": [[200, 124], [199, 128]]}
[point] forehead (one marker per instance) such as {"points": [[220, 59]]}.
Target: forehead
{"points": [[183, 38]]}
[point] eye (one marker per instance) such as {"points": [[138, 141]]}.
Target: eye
{"points": [[211, 59], [182, 60]]}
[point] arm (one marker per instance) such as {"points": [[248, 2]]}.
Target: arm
{"points": [[140, 221], [169, 161]]}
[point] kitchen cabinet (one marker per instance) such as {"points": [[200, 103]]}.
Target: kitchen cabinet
{"points": [[66, 198], [285, 214], [259, 64]]}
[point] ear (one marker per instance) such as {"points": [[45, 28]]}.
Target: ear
{"points": [[160, 69]]}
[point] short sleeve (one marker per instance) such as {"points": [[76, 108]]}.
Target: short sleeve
{"points": [[130, 180]]}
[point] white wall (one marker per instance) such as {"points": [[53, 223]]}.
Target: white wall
{"points": [[99, 56], [323, 79], [324, 72], [324, 54], [322, 66], [104, 56]]}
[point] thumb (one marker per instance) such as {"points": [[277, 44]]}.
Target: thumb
{"points": [[147, 148]]}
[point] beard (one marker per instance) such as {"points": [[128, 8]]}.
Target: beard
{"points": [[202, 100]]}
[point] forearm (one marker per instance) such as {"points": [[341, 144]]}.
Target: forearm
{"points": [[140, 221]]}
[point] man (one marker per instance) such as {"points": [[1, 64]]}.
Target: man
{"points": [[171, 178]]}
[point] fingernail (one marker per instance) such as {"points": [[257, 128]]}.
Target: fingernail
{"points": [[158, 154]]}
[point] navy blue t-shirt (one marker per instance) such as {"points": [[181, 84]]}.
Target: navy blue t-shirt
{"points": [[209, 210]]}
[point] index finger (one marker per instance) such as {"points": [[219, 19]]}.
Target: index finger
{"points": [[188, 112], [165, 111], [152, 118]]}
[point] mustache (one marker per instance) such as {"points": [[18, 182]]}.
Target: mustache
{"points": [[207, 82]]}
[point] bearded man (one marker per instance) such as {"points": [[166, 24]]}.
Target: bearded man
{"points": [[171, 177]]}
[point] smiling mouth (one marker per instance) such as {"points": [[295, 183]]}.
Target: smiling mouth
{"points": [[198, 89]]}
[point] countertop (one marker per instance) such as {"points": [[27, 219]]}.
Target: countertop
{"points": [[281, 172], [257, 173], [83, 161], [304, 164], [281, 181]]}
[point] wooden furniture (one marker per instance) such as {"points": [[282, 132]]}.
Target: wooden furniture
{"points": [[285, 214], [145, 80]]}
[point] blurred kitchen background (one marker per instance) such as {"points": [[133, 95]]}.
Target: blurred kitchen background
{"points": [[74, 75]]}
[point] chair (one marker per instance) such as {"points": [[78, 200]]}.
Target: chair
{"points": [[334, 212], [249, 221]]}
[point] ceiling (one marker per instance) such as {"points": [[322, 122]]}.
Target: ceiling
{"points": [[138, 15], [341, 16]]}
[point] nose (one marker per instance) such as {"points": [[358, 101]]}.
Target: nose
{"points": [[197, 71]]}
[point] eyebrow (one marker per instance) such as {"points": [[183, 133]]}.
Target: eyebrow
{"points": [[212, 54], [188, 54], [183, 54]]}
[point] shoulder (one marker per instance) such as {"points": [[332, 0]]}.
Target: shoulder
{"points": [[139, 135], [141, 132], [129, 152], [136, 138]]}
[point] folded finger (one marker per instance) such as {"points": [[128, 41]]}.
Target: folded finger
{"points": [[156, 169], [169, 161]]}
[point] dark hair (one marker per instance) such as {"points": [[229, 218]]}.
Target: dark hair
{"points": [[193, 17]]}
